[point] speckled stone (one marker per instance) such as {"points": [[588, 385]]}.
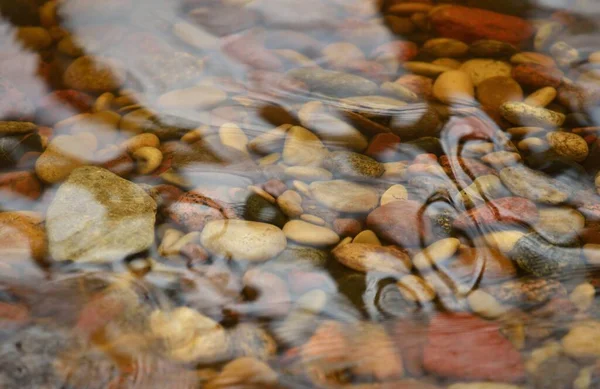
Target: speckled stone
{"points": [[522, 114], [525, 291], [97, 216], [535, 255], [533, 185], [353, 165]]}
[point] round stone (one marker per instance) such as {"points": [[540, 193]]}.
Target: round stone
{"points": [[568, 145], [243, 240], [364, 257], [354, 165], [495, 91], [481, 69], [309, 234], [526, 115], [94, 74], [345, 196], [394, 193]]}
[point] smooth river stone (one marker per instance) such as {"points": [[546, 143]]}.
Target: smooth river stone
{"points": [[533, 185], [365, 257], [96, 216], [309, 234], [243, 240], [334, 83], [401, 222], [345, 196]]}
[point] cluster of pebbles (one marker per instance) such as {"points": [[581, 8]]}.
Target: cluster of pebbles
{"points": [[317, 193]]}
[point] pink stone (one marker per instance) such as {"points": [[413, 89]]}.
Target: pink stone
{"points": [[401, 222], [505, 210]]}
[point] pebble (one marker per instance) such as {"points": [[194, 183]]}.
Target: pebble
{"points": [[416, 289], [435, 253], [94, 74], [245, 371], [332, 130], [290, 203], [302, 147], [583, 296], [523, 114], [454, 86], [198, 97], [353, 165], [491, 48], [394, 193], [345, 196], [425, 68], [481, 69], [495, 91], [364, 257], [482, 385], [243, 240], [97, 216], [233, 137], [507, 210], [313, 219], [22, 237], [541, 97], [485, 305], [471, 24], [536, 256], [193, 210], [334, 83], [482, 189], [462, 346], [583, 340], [8, 128], [347, 227], [568, 145], [559, 225], [536, 76], [525, 292], [19, 185], [396, 222], [310, 234], [308, 173], [271, 141], [445, 47], [258, 209], [367, 236], [534, 185], [394, 170]]}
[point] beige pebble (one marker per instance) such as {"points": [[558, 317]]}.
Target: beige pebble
{"points": [[308, 173], [148, 159], [585, 378], [103, 102], [195, 36], [583, 296], [270, 159], [568, 145], [364, 258], [174, 240], [367, 236], [343, 242], [302, 147], [583, 340], [345, 196], [232, 136], [541, 97], [445, 47], [414, 288], [594, 57], [541, 354], [243, 240], [454, 86], [339, 54], [295, 58], [270, 141], [425, 68], [532, 57], [435, 253], [503, 240], [139, 141], [481, 148], [533, 144], [302, 187], [480, 70], [290, 203], [591, 253], [309, 234], [523, 114], [262, 193], [485, 305], [394, 193], [63, 155], [449, 62], [312, 219], [500, 159], [394, 170], [399, 91], [484, 188]]}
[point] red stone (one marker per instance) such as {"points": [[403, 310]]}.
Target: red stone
{"points": [[382, 147], [401, 50], [505, 210], [194, 210], [468, 128], [20, 184], [167, 194], [121, 165], [13, 313], [471, 24], [465, 347], [401, 222], [347, 227], [537, 76], [410, 337]]}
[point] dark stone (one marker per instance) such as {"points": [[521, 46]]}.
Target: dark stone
{"points": [[13, 147], [415, 121], [536, 256], [258, 209]]}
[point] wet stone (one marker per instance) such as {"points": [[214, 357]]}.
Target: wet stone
{"points": [[526, 291], [534, 185], [334, 83], [536, 256], [353, 165]]}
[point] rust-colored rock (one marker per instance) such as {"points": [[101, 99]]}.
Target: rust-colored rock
{"points": [[401, 222], [464, 170], [421, 85], [471, 24], [194, 210], [401, 50], [466, 347], [505, 210], [537, 76], [19, 184], [382, 147], [347, 227]]}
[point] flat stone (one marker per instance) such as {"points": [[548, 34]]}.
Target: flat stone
{"points": [[525, 115], [365, 257], [353, 165], [400, 222], [333, 83], [531, 184], [97, 216], [198, 97], [302, 147], [345, 196], [568, 145], [310, 234], [94, 74], [16, 128], [243, 240], [507, 210], [536, 256]]}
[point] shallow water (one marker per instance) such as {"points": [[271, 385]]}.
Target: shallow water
{"points": [[318, 193]]}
